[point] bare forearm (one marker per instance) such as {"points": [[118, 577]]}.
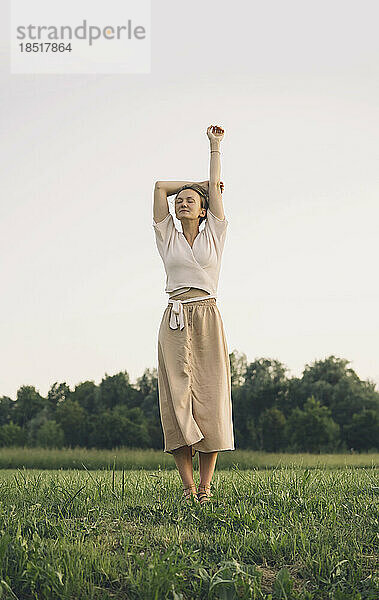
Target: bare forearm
{"points": [[215, 163], [172, 187]]}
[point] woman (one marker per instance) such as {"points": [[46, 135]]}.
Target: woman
{"points": [[194, 381]]}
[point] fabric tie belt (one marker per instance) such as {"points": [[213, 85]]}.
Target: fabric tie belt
{"points": [[176, 316]]}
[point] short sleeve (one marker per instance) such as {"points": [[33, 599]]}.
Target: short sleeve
{"points": [[216, 226], [163, 229]]}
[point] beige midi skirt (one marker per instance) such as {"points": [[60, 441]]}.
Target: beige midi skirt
{"points": [[194, 382]]}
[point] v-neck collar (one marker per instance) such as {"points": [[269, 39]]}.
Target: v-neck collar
{"points": [[187, 242], [191, 247]]}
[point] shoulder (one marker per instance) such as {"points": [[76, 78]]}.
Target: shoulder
{"points": [[213, 217], [163, 221], [164, 229], [217, 227]]}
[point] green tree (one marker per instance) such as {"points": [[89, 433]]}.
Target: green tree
{"points": [[148, 382], [312, 429], [28, 404], [242, 400], [6, 410], [337, 387], [331, 370], [12, 435], [120, 427], [149, 405], [363, 432], [272, 425], [87, 394], [238, 367], [253, 439], [50, 435], [72, 419], [116, 389], [351, 396], [32, 427], [58, 393], [266, 384]]}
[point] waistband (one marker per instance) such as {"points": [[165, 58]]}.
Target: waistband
{"points": [[176, 316]]}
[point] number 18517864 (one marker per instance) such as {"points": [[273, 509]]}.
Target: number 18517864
{"points": [[45, 47]]}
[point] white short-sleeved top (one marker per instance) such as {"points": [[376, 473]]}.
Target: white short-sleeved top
{"points": [[198, 266]]}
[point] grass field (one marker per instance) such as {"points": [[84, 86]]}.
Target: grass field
{"points": [[283, 532], [125, 458]]}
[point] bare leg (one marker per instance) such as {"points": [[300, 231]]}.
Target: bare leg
{"points": [[183, 459], [207, 463]]}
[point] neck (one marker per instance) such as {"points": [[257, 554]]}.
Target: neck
{"points": [[190, 228]]}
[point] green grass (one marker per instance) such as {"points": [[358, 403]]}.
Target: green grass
{"points": [[125, 458], [280, 533]]}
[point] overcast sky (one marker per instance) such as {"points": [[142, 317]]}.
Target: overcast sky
{"points": [[295, 86]]}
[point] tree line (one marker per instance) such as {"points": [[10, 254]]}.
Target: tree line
{"points": [[328, 409]]}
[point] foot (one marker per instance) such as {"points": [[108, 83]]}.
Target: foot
{"points": [[204, 493], [189, 494]]}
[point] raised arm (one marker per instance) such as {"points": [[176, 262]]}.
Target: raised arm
{"points": [[215, 135], [163, 189]]}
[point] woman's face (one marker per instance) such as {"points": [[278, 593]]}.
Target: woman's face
{"points": [[188, 205]]}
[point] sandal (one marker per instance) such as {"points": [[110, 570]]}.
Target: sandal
{"points": [[204, 493], [189, 494]]}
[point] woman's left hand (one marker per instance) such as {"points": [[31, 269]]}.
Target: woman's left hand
{"points": [[215, 133]]}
